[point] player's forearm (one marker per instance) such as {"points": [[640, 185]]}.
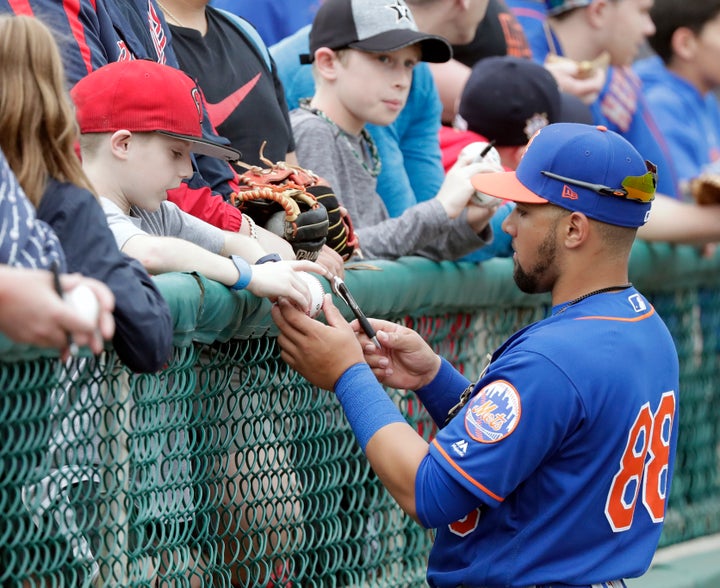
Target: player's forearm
{"points": [[395, 453], [393, 448]]}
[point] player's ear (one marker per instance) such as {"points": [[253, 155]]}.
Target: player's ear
{"points": [[576, 229]]}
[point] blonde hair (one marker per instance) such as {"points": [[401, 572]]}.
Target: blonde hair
{"points": [[38, 130]]}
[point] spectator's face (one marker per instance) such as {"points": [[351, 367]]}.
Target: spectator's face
{"points": [[705, 49], [628, 25], [156, 163], [373, 87], [463, 25]]}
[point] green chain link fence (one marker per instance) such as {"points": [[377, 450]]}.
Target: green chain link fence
{"points": [[228, 469]]}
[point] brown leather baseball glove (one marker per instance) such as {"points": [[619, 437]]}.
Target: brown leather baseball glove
{"points": [[296, 204]]}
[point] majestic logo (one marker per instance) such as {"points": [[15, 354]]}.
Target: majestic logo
{"points": [[460, 447], [493, 413]]}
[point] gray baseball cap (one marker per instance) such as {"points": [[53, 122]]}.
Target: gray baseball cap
{"points": [[374, 26]]}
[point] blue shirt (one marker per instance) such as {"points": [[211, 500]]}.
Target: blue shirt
{"points": [[274, 19], [689, 120], [622, 108], [143, 335]]}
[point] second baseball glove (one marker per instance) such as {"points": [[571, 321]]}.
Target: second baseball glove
{"points": [[280, 192]]}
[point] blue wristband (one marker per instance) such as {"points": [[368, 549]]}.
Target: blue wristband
{"points": [[245, 271], [367, 406]]}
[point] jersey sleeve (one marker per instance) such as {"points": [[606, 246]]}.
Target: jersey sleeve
{"points": [[519, 414], [440, 395]]}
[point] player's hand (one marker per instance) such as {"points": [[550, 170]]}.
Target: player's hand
{"points": [[405, 360], [319, 352], [456, 189], [281, 279]]}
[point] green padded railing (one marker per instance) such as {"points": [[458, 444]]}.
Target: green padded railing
{"points": [[227, 468]]}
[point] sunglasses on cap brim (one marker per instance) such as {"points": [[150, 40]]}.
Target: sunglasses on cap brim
{"points": [[637, 188]]}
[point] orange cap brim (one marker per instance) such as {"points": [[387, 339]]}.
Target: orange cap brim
{"points": [[505, 185]]}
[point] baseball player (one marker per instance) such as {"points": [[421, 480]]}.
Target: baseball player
{"points": [[554, 468]]}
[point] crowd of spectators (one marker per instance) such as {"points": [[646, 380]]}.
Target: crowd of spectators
{"points": [[381, 99]]}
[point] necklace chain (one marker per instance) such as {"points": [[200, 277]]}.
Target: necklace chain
{"points": [[170, 14], [374, 171], [574, 301]]}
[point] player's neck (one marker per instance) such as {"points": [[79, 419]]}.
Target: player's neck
{"points": [[597, 278]]}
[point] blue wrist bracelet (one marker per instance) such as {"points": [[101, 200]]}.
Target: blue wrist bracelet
{"points": [[367, 406], [245, 271]]}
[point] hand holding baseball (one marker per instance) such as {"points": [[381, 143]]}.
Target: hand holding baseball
{"points": [[282, 279], [456, 191], [32, 311], [319, 352]]}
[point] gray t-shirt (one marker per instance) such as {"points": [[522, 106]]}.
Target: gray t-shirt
{"points": [[423, 229], [167, 221]]}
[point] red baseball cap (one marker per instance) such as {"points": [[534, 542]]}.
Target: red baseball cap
{"points": [[145, 96]]}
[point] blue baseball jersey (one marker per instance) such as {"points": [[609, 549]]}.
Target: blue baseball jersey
{"points": [[688, 119], [568, 443]]}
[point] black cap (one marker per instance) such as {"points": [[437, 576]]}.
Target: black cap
{"points": [[374, 26], [508, 99]]}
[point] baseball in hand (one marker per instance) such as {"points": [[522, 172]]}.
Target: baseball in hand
{"points": [[316, 292], [473, 152], [82, 299]]}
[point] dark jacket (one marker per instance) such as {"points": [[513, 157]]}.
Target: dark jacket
{"points": [[143, 323]]}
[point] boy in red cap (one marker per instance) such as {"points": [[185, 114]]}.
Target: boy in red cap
{"points": [[139, 122]]}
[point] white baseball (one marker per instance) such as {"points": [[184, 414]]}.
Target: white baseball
{"points": [[317, 293], [472, 152], [83, 301]]}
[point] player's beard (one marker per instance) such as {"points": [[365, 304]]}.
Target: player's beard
{"points": [[534, 281]]}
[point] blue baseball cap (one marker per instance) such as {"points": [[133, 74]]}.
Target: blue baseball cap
{"points": [[582, 168]]}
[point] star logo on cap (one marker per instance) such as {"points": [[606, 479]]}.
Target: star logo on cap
{"points": [[403, 12]]}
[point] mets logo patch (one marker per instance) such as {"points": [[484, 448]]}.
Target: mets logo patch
{"points": [[493, 413]]}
